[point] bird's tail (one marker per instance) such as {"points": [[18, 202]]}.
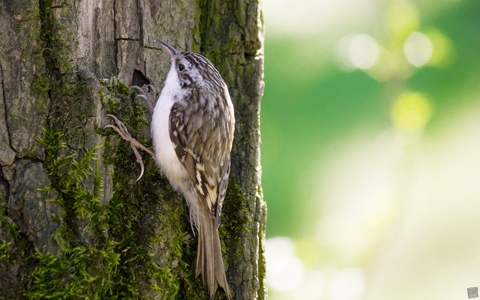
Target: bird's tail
{"points": [[209, 254]]}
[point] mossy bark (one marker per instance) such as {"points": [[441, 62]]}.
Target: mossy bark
{"points": [[74, 223]]}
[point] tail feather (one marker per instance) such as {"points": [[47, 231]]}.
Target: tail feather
{"points": [[209, 254]]}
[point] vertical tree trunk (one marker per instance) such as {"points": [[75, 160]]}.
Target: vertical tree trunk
{"points": [[74, 223]]}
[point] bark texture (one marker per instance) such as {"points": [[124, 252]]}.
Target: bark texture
{"points": [[74, 223]]}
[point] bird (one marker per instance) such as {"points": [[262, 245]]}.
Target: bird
{"points": [[192, 132]]}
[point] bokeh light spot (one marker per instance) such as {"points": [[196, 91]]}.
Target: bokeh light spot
{"points": [[358, 51], [313, 287], [411, 111], [442, 48], [285, 272], [418, 49], [348, 284], [363, 51]]}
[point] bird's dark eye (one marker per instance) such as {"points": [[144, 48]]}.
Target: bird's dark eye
{"points": [[181, 67]]}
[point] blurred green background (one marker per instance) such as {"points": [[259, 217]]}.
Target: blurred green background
{"points": [[371, 148]]}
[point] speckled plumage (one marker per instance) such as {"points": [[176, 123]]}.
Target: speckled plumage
{"points": [[192, 131]]}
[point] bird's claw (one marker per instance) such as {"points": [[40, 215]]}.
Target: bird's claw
{"points": [[142, 95], [122, 130]]}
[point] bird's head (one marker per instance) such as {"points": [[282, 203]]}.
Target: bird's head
{"points": [[193, 70]]}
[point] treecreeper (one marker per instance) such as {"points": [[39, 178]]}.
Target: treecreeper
{"points": [[192, 131]]}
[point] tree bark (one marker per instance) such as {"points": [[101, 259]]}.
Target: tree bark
{"points": [[74, 223]]}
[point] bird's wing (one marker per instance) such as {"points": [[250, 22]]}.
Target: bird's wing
{"points": [[202, 139]]}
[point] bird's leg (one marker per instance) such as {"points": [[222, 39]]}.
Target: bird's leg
{"points": [[143, 96], [121, 129]]}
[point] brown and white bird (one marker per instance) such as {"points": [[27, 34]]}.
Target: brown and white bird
{"points": [[192, 131]]}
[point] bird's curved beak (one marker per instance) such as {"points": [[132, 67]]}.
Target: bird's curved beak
{"points": [[169, 48]]}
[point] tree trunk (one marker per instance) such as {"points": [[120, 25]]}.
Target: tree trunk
{"points": [[74, 223]]}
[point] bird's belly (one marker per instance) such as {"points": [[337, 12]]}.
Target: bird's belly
{"points": [[165, 156]]}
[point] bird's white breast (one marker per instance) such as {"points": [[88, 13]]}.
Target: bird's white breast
{"points": [[165, 156]]}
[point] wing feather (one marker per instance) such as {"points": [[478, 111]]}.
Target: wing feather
{"points": [[202, 139]]}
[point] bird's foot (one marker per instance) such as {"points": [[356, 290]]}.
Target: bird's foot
{"points": [[121, 129], [142, 95]]}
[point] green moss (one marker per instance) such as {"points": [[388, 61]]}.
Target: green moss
{"points": [[15, 256], [12, 253], [86, 262], [235, 208], [41, 84]]}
